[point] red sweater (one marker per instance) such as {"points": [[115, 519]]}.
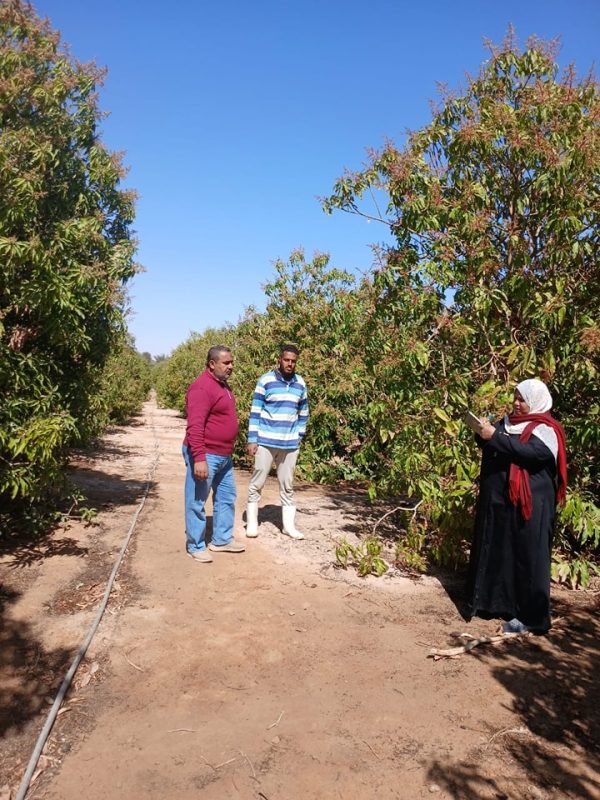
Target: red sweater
{"points": [[212, 423]]}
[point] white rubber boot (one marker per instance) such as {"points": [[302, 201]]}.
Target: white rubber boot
{"points": [[252, 520], [289, 528]]}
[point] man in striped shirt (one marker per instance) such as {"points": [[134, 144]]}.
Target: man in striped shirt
{"points": [[278, 420]]}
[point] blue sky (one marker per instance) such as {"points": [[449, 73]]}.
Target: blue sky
{"points": [[235, 116]]}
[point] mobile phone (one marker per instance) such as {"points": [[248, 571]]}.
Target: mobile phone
{"points": [[472, 421]]}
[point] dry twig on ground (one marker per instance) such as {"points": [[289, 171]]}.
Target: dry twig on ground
{"points": [[277, 721], [469, 642]]}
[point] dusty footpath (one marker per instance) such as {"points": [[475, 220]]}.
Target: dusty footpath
{"points": [[272, 675]]}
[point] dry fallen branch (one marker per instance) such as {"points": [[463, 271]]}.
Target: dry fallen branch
{"points": [[216, 767], [277, 721], [35, 776], [469, 642], [250, 764], [135, 666], [86, 677], [183, 730], [224, 763], [507, 731], [47, 761], [371, 749]]}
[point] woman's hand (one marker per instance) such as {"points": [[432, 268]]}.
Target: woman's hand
{"points": [[487, 429]]}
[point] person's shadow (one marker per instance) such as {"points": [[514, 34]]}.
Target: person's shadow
{"points": [[268, 513], [454, 583], [554, 685]]}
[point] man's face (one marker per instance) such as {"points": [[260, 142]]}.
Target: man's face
{"points": [[222, 367], [287, 363]]}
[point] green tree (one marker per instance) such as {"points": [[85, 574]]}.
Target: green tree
{"points": [[66, 249], [172, 376], [321, 309], [126, 382], [493, 277]]}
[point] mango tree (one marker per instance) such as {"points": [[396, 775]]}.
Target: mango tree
{"points": [[66, 249], [493, 275]]}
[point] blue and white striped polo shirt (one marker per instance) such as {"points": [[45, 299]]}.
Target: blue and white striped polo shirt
{"points": [[279, 411]]}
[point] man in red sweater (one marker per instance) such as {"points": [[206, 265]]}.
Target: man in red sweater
{"points": [[212, 426]]}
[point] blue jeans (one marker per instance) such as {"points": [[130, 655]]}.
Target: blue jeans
{"points": [[221, 481]]}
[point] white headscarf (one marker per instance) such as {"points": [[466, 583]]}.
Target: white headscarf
{"points": [[538, 398]]}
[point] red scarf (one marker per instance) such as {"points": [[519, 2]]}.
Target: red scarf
{"points": [[519, 489]]}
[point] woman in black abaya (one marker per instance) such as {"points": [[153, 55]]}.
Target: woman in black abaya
{"points": [[523, 474]]}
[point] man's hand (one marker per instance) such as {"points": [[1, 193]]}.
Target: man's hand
{"points": [[200, 470], [252, 448]]}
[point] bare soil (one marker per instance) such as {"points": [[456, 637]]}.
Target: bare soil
{"points": [[272, 674]]}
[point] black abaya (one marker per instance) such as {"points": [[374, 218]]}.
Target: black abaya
{"points": [[509, 571]]}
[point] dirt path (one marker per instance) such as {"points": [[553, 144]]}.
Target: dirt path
{"points": [[270, 674]]}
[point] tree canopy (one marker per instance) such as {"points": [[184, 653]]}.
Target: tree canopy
{"points": [[494, 272], [491, 278], [66, 248]]}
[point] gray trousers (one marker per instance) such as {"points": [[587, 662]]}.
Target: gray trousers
{"points": [[285, 461]]}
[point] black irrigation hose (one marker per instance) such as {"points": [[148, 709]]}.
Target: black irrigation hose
{"points": [[64, 687]]}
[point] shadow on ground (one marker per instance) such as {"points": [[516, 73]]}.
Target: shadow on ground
{"points": [[270, 513], [387, 518], [101, 490], [25, 551], [554, 683], [29, 675], [106, 489], [454, 583]]}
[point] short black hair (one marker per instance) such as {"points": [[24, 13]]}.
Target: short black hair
{"points": [[215, 351], [288, 348]]}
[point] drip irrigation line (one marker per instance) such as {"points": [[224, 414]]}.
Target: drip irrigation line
{"points": [[64, 687]]}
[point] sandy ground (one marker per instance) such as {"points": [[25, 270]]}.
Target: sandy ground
{"points": [[271, 674]]}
